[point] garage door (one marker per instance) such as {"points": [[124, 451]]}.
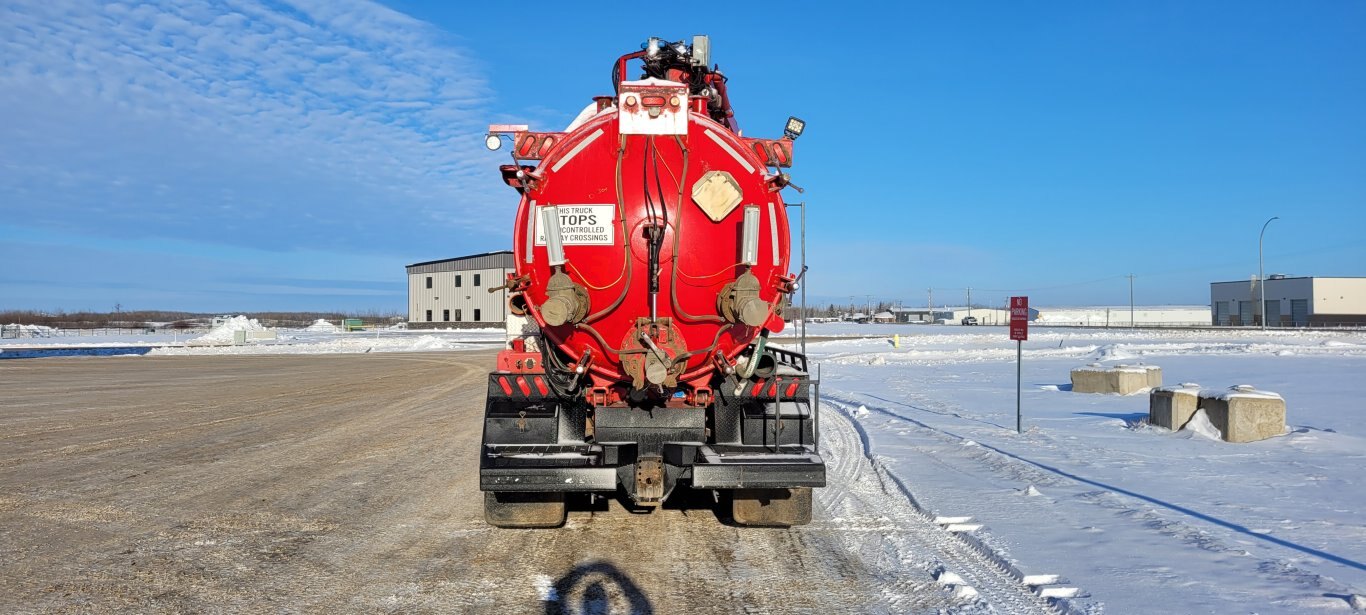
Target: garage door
{"points": [[1245, 313], [1221, 313], [1299, 312]]}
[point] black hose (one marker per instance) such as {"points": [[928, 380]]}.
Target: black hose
{"points": [[678, 233], [625, 240]]}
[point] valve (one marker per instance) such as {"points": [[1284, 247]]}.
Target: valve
{"points": [[566, 301], [739, 301]]}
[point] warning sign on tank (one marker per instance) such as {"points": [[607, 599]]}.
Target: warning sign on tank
{"points": [[582, 225]]}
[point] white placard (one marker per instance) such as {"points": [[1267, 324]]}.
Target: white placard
{"points": [[582, 225]]}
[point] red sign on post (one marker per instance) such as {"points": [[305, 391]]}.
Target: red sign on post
{"points": [[1019, 318]]}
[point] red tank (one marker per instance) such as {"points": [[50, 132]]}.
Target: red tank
{"points": [[614, 193], [652, 251]]}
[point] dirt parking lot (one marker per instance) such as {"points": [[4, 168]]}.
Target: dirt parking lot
{"points": [[347, 483]]}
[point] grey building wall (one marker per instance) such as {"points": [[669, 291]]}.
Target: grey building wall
{"points": [[1290, 302], [454, 292]]}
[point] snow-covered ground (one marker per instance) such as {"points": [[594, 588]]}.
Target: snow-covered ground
{"points": [[1142, 519], [321, 337]]}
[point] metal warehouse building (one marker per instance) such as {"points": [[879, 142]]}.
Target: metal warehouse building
{"points": [[454, 292], [1290, 302]]}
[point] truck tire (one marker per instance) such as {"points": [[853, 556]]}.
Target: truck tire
{"points": [[523, 510], [771, 507]]}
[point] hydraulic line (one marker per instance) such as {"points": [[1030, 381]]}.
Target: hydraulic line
{"points": [[692, 353], [605, 346], [678, 232], [625, 241]]}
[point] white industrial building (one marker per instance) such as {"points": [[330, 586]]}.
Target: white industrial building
{"points": [[454, 292], [1120, 316], [1290, 302], [952, 315]]}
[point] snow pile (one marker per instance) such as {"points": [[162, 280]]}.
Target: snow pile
{"points": [[322, 326], [223, 334], [1200, 426], [430, 342], [28, 330]]}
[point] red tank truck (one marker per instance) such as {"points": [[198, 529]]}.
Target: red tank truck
{"points": [[652, 263]]}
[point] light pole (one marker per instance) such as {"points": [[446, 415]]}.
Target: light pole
{"points": [[1261, 279], [1131, 301]]}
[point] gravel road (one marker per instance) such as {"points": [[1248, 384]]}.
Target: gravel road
{"points": [[347, 483]]}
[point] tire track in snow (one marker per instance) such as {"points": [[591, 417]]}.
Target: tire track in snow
{"points": [[1124, 504], [863, 499]]}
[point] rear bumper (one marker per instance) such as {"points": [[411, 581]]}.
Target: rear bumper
{"points": [[548, 479], [583, 468], [545, 468], [751, 467]]}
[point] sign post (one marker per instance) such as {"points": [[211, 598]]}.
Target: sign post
{"points": [[1019, 331]]}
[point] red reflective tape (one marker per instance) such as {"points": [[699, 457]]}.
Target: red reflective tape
{"points": [[503, 383], [773, 388], [540, 385], [791, 390], [652, 101], [758, 387], [521, 384]]}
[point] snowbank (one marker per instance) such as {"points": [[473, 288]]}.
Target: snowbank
{"points": [[322, 326], [223, 334], [16, 330]]}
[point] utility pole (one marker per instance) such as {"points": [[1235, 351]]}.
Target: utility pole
{"points": [[868, 305], [929, 304], [1131, 301], [969, 301]]}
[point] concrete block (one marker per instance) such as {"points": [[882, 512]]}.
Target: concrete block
{"points": [[1120, 379], [1089, 379], [1244, 414], [1172, 407], [1154, 374]]}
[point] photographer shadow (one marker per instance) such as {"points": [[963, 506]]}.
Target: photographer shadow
{"points": [[597, 588]]}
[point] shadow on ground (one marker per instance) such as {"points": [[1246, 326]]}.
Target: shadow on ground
{"points": [[597, 588]]}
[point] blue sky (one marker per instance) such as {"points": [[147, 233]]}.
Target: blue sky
{"points": [[239, 155]]}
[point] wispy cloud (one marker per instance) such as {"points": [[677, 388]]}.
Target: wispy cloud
{"points": [[281, 125]]}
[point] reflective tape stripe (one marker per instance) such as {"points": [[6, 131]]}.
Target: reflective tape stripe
{"points": [[575, 152], [531, 231], [749, 168], [773, 231]]}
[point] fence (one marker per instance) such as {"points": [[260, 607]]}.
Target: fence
{"points": [[13, 332]]}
